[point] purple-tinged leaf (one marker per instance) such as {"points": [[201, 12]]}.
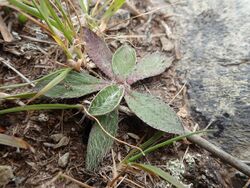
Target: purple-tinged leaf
{"points": [[98, 52], [151, 65]]}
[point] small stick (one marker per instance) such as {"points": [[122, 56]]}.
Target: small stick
{"points": [[203, 143], [134, 10], [76, 181], [16, 71]]}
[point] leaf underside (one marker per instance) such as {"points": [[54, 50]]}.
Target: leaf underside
{"points": [[150, 65], [74, 85], [154, 112], [159, 172], [106, 100], [99, 143], [123, 61], [98, 52]]}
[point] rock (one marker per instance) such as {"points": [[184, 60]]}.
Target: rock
{"points": [[6, 175], [63, 160], [216, 62]]}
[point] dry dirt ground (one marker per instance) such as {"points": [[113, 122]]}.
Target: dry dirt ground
{"points": [[34, 54]]}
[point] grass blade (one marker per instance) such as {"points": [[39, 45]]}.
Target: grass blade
{"points": [[159, 172], [114, 6], [13, 141], [162, 144], [19, 96], [40, 107], [52, 83]]}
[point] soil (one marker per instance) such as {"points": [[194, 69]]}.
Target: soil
{"points": [[35, 55]]}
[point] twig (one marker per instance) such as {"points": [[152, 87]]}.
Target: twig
{"points": [[135, 36], [116, 139], [134, 10], [76, 181], [16, 71], [224, 156], [177, 93]]}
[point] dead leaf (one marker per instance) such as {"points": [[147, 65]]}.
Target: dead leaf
{"points": [[167, 44], [7, 37]]}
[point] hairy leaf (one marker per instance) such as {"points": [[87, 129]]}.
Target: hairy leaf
{"points": [[151, 65], [13, 141], [154, 112], [98, 52], [123, 61], [61, 76], [99, 142], [159, 172], [74, 85], [106, 100]]}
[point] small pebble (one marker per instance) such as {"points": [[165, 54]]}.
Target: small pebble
{"points": [[6, 175], [63, 160]]}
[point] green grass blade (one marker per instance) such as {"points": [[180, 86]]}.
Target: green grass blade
{"points": [[162, 144], [146, 144], [62, 27], [159, 172], [84, 5], [65, 15], [27, 8], [113, 8], [52, 83], [19, 96], [40, 107], [35, 81]]}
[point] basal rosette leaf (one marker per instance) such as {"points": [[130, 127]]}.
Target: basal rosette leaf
{"points": [[74, 85], [106, 100], [154, 112], [123, 61], [150, 65], [99, 142], [98, 52]]}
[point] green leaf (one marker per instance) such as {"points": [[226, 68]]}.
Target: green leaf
{"points": [[151, 65], [123, 61], [13, 141], [159, 172], [74, 85], [99, 142], [61, 76], [154, 112], [40, 107], [106, 100]]}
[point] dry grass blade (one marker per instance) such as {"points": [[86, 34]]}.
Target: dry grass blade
{"points": [[13, 141]]}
